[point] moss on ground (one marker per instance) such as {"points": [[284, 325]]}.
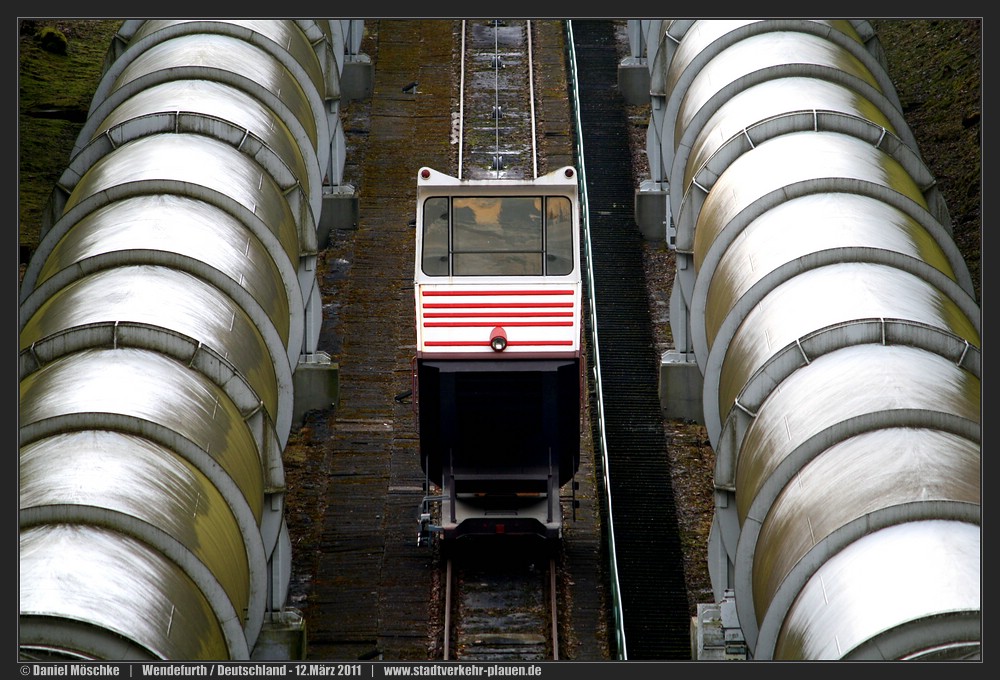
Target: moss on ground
{"points": [[54, 93]]}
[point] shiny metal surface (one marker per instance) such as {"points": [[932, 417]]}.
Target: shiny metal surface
{"points": [[845, 225], [284, 33], [200, 167], [718, 59], [856, 390], [183, 228], [831, 161], [217, 100], [151, 99], [853, 488], [861, 388], [149, 492], [229, 58], [110, 581], [825, 296], [313, 51], [890, 581], [165, 298], [170, 300], [761, 52], [147, 394], [777, 97], [696, 36], [834, 325]]}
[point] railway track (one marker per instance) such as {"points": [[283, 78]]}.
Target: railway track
{"points": [[501, 605], [368, 590], [365, 586], [499, 599], [496, 115], [654, 609]]}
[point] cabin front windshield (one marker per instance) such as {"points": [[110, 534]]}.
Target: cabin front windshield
{"points": [[491, 236]]}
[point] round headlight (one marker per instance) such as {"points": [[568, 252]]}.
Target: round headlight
{"points": [[498, 339]]}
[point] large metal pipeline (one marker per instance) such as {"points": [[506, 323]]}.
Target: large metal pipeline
{"points": [[170, 300], [835, 327]]}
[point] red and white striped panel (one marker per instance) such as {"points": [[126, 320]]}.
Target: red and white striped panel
{"points": [[534, 318]]}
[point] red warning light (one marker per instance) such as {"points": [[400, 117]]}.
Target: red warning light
{"points": [[498, 339]]}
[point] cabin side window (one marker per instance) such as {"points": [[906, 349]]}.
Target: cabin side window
{"points": [[498, 236], [435, 260], [558, 236]]}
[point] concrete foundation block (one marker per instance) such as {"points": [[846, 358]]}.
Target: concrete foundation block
{"points": [[651, 210], [680, 387], [356, 78], [340, 211], [633, 80], [317, 384], [282, 638]]}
